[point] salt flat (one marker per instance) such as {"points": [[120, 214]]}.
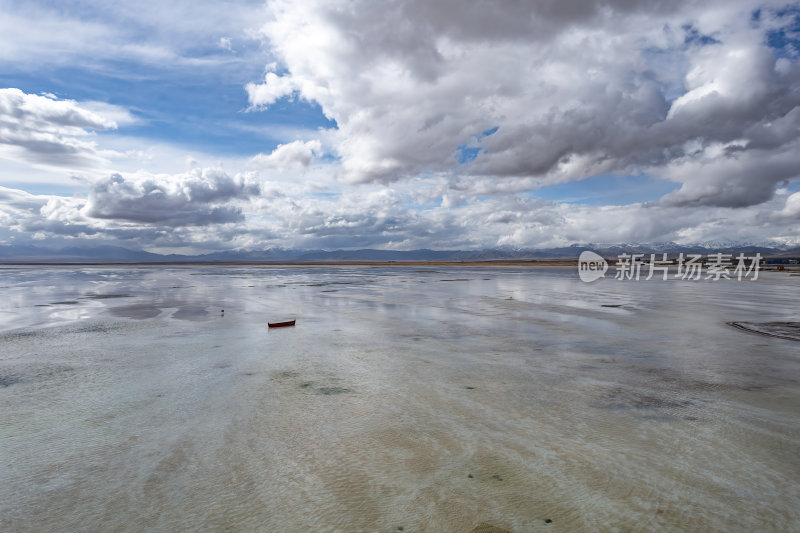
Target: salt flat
{"points": [[429, 399]]}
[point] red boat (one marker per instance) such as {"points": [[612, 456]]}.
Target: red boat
{"points": [[281, 324]]}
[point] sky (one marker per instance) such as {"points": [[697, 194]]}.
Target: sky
{"points": [[200, 126]]}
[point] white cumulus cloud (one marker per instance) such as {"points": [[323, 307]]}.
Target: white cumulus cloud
{"points": [[45, 129], [274, 88], [293, 155], [536, 93]]}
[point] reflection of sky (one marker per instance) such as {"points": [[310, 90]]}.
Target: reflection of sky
{"points": [[545, 306], [443, 298]]}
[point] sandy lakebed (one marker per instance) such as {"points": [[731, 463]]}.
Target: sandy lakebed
{"points": [[406, 398]]}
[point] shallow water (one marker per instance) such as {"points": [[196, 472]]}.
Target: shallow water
{"points": [[430, 399]]}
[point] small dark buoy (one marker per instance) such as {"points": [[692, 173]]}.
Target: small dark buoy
{"points": [[469, 476], [547, 520]]}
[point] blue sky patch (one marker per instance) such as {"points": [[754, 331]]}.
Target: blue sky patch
{"points": [[467, 152], [608, 189]]}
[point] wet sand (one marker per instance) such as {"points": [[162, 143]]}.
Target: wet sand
{"points": [[438, 401]]}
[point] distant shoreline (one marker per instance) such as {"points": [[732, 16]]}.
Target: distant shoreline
{"points": [[532, 263]]}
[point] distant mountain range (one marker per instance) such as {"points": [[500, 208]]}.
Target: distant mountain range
{"points": [[114, 254]]}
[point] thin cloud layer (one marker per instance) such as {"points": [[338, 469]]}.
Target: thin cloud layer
{"points": [[165, 34], [542, 93]]}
